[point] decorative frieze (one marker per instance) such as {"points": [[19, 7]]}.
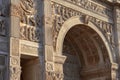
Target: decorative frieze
{"points": [[62, 14], [30, 21], [92, 6]]}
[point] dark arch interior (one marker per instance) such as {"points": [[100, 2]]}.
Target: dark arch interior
{"points": [[87, 56]]}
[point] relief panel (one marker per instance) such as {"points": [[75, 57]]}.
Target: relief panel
{"points": [[3, 15], [30, 21]]}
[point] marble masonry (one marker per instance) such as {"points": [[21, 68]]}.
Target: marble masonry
{"points": [[59, 39]]}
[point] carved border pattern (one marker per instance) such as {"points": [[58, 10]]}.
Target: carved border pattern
{"points": [[61, 13]]}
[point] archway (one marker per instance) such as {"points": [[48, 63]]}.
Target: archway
{"points": [[94, 46], [86, 55]]}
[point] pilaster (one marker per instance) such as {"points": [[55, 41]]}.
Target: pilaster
{"points": [[117, 34], [14, 65], [48, 41]]}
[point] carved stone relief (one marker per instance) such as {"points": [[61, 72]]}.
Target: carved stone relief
{"points": [[30, 21], [61, 13], [92, 6], [3, 14], [49, 66], [15, 73], [15, 69], [15, 10], [54, 76]]}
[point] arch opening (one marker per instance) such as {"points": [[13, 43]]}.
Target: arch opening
{"points": [[87, 57]]}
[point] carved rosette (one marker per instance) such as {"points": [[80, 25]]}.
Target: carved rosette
{"points": [[30, 21], [49, 66], [61, 13]]}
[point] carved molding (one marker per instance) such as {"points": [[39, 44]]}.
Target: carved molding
{"points": [[61, 14]]}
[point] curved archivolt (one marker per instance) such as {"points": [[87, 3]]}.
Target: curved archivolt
{"points": [[87, 56]]}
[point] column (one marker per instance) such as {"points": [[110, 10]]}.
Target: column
{"points": [[14, 64]]}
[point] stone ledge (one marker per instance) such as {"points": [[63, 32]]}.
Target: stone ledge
{"points": [[59, 59]]}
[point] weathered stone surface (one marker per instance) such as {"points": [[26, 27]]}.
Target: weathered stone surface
{"points": [[59, 39]]}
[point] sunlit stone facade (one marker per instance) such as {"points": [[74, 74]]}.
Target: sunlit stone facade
{"points": [[59, 39]]}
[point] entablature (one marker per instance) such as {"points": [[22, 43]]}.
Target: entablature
{"points": [[100, 11]]}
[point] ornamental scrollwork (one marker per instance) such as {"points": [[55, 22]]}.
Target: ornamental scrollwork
{"points": [[29, 21], [61, 13]]}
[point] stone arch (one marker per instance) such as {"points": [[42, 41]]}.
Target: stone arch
{"points": [[79, 21]]}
